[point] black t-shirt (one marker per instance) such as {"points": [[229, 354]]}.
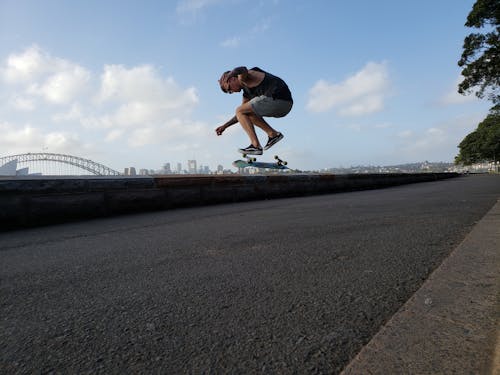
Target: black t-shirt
{"points": [[271, 86]]}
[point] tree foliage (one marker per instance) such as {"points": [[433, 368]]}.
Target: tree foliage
{"points": [[481, 71], [481, 52], [483, 144]]}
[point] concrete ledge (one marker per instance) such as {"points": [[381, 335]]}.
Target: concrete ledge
{"points": [[450, 325], [38, 201]]}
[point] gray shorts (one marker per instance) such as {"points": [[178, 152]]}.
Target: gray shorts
{"points": [[265, 106]]}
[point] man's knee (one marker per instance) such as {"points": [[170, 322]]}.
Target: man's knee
{"points": [[244, 110], [240, 112]]}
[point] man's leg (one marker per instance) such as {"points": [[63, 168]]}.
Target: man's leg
{"points": [[261, 123], [244, 115], [248, 118]]}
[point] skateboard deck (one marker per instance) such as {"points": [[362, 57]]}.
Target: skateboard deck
{"points": [[252, 162]]}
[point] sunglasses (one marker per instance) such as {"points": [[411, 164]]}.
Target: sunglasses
{"points": [[228, 86]]}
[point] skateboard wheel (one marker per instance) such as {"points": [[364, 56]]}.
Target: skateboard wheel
{"points": [[285, 163], [276, 157], [244, 155]]}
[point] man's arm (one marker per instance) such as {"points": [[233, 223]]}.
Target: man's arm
{"points": [[230, 122], [234, 120]]}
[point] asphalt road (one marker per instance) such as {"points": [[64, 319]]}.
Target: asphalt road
{"points": [[284, 286]]}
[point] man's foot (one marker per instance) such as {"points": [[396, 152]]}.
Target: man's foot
{"points": [[251, 150], [273, 140]]}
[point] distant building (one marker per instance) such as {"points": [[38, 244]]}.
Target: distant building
{"points": [[23, 171], [192, 166], [166, 169], [9, 168], [129, 171]]}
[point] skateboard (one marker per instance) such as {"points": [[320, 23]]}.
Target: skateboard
{"points": [[252, 162]]}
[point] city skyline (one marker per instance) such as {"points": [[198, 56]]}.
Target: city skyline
{"points": [[40, 163]]}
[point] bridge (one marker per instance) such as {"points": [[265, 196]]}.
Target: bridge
{"points": [[33, 159]]}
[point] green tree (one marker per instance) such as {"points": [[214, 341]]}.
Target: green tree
{"points": [[483, 144], [481, 71], [481, 52]]}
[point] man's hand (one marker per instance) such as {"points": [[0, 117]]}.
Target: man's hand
{"points": [[220, 129]]}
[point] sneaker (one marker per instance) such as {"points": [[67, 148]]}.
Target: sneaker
{"points": [[251, 150], [273, 140]]}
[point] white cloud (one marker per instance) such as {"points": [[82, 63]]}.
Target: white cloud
{"points": [[28, 138], [172, 133], [190, 11], [231, 42], [436, 143], [142, 107], [144, 86], [26, 66], [237, 40], [114, 135], [384, 125], [73, 114], [193, 6], [452, 97], [405, 134], [430, 142], [39, 74], [262, 26], [22, 103], [364, 105], [135, 105], [362, 93], [63, 87]]}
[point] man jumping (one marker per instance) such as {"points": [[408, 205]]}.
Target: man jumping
{"points": [[264, 95]]}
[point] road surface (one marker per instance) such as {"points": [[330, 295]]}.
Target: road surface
{"points": [[291, 285]]}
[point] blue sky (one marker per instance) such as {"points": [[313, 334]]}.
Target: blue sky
{"points": [[134, 83]]}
